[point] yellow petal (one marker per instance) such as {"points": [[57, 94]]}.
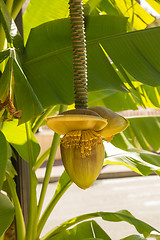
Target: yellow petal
{"points": [[76, 120], [82, 155], [116, 123]]}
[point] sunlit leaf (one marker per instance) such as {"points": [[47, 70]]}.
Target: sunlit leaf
{"points": [[44, 11], [16, 136], [155, 5], [138, 53], [140, 161], [137, 16]]}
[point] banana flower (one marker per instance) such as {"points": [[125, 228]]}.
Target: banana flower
{"points": [[82, 147]]}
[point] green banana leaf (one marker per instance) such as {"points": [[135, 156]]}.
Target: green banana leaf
{"points": [[155, 5], [142, 162], [122, 215], [6, 213], [138, 18], [5, 80], [4, 54], [85, 230], [117, 101], [134, 237], [48, 59], [16, 136], [26, 101], [142, 133], [138, 53], [3, 157], [11, 31]]}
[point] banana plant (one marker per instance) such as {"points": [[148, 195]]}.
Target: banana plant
{"points": [[114, 68]]}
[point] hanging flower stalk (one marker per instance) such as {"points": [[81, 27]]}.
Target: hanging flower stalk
{"points": [[82, 148], [79, 53]]}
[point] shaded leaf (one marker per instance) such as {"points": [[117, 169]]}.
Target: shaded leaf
{"points": [[138, 53], [4, 54], [5, 81], [3, 157], [49, 51], [27, 100], [16, 136], [6, 213], [143, 133], [116, 101]]}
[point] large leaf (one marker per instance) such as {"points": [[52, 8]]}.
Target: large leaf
{"points": [[48, 59], [44, 11], [3, 158], [85, 230], [142, 162], [123, 215], [6, 213], [16, 136], [138, 53], [142, 133], [117, 101]]}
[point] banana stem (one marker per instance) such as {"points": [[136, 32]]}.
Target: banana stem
{"points": [[50, 207], [55, 143], [32, 216], [79, 53]]}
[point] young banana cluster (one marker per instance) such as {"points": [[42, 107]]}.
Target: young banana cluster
{"points": [[82, 147]]}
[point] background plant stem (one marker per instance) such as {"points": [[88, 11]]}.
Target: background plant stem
{"points": [[51, 159], [31, 226], [51, 206]]}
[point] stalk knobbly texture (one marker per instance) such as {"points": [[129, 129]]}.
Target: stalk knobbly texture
{"points": [[79, 53]]}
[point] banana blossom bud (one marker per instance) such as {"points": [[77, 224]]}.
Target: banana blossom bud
{"points": [[82, 148]]}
